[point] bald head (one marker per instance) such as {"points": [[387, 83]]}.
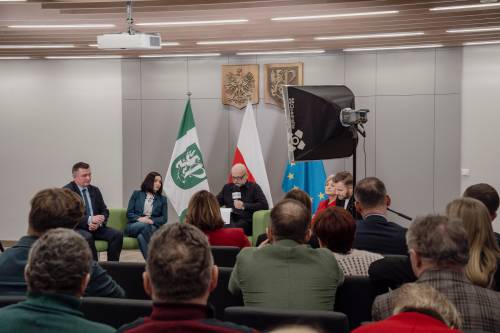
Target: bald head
{"points": [[239, 174], [290, 219]]}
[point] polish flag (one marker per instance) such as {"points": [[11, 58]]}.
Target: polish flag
{"points": [[249, 152]]}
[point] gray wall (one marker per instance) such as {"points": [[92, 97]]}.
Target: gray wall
{"points": [[53, 114], [481, 116], [413, 140]]}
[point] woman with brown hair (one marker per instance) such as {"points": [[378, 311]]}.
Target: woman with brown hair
{"points": [[204, 212], [484, 254]]}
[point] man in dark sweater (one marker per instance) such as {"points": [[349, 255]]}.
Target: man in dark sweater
{"points": [[51, 208], [244, 197], [374, 233], [180, 274]]}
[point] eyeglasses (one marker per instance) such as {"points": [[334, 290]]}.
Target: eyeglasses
{"points": [[238, 177]]}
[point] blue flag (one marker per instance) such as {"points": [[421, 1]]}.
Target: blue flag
{"points": [[308, 176]]}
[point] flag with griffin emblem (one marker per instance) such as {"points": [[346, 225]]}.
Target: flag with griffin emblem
{"points": [[186, 173]]}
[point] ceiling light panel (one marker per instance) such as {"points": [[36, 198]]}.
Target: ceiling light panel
{"points": [[61, 26], [482, 42], [462, 7], [180, 55], [381, 35], [245, 41], [86, 57], [281, 52], [38, 46], [479, 29], [332, 16], [184, 23], [388, 48]]}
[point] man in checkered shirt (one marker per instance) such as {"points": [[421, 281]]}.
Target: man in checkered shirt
{"points": [[439, 252]]}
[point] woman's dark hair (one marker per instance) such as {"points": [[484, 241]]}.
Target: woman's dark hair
{"points": [[149, 182]]}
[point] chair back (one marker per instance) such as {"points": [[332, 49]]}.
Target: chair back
{"points": [[117, 218], [221, 298], [129, 276], [225, 256], [115, 311], [355, 298], [264, 319], [6, 300], [260, 221]]}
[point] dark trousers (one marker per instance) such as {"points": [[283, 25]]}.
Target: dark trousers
{"points": [[143, 233], [243, 224], [112, 236]]}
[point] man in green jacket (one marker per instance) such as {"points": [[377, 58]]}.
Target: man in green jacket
{"points": [[57, 274], [287, 273]]}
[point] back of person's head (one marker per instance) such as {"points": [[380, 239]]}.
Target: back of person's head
{"points": [[486, 194], [344, 177], [290, 219], [300, 196], [335, 228], [296, 328], [484, 252], [204, 211], [179, 263], [423, 298], [59, 262], [370, 192], [439, 239], [55, 208]]}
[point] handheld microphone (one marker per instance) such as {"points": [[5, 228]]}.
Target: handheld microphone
{"points": [[236, 195]]}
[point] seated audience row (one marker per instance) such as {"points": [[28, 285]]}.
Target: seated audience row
{"points": [[50, 209], [439, 254]]}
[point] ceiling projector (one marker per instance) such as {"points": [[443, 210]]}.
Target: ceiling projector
{"points": [[129, 41]]}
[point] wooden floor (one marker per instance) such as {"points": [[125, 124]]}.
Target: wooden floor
{"points": [[126, 255]]}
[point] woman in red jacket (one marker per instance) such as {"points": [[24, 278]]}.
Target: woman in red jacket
{"points": [[204, 212]]}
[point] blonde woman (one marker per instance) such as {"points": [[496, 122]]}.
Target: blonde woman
{"points": [[484, 255], [330, 192]]}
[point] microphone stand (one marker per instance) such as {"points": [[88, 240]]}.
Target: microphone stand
{"points": [[406, 217]]}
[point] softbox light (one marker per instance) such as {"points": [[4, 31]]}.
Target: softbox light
{"points": [[315, 130]]}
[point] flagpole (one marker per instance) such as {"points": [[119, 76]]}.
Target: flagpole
{"points": [[188, 94]]}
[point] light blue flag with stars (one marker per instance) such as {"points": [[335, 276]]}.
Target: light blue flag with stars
{"points": [[309, 176]]}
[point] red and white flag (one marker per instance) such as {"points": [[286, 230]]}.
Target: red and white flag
{"points": [[249, 152]]}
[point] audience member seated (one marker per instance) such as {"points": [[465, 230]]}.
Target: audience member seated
{"points": [[147, 211], [342, 185], [418, 308], [439, 254], [484, 254], [203, 212], [92, 226], [488, 196], [287, 273], [50, 208], [330, 192], [244, 197], [335, 229], [374, 233], [57, 274], [179, 277], [305, 199]]}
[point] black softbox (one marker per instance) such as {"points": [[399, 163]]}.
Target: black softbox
{"points": [[315, 131]]}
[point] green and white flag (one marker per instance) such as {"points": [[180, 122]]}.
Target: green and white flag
{"points": [[186, 173]]}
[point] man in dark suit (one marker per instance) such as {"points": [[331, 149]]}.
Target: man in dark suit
{"points": [[374, 233], [343, 183], [93, 224]]}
